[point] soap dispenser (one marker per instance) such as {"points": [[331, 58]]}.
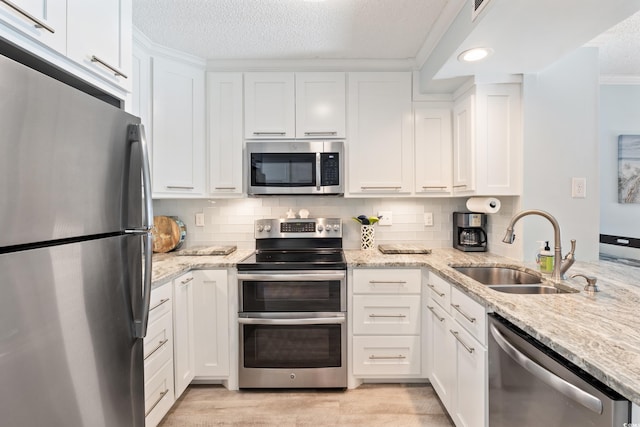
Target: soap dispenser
{"points": [[546, 259]]}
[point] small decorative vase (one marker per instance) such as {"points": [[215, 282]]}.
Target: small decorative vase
{"points": [[367, 237]]}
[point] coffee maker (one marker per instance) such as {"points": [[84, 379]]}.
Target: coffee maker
{"points": [[469, 233]]}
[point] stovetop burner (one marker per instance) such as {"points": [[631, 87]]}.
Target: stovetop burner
{"points": [[297, 244]]}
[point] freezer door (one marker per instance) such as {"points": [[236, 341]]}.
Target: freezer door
{"points": [[67, 167], [67, 352]]}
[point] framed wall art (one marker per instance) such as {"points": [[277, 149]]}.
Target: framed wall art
{"points": [[629, 169]]}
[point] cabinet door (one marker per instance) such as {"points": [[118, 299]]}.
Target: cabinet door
{"points": [[433, 146], [442, 350], [498, 139], [269, 105], [183, 333], [320, 105], [211, 322], [224, 124], [41, 20], [470, 386], [99, 36], [463, 146], [380, 148], [178, 129]]}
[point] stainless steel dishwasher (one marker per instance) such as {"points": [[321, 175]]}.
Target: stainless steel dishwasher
{"points": [[530, 385]]}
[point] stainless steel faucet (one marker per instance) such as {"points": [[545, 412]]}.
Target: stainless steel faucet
{"points": [[560, 265]]}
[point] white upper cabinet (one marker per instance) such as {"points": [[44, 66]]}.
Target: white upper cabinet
{"points": [[498, 139], [99, 36], [178, 146], [44, 21], [269, 105], [91, 39], [320, 105], [487, 140], [433, 150], [380, 135], [224, 133], [463, 145], [294, 105]]}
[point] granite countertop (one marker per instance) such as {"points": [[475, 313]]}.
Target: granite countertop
{"points": [[600, 332], [170, 265]]}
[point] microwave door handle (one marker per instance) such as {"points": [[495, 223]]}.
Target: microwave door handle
{"points": [[304, 321], [318, 171], [573, 392]]}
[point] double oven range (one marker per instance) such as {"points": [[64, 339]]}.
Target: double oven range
{"points": [[292, 306]]}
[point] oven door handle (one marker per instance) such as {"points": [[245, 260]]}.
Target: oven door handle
{"points": [[304, 321], [271, 277]]}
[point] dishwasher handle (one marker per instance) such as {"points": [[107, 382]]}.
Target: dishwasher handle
{"points": [[573, 392]]}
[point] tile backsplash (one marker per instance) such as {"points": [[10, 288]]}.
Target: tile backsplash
{"points": [[231, 221]]}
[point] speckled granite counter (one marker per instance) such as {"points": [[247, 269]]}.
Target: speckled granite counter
{"points": [[600, 333], [169, 266]]}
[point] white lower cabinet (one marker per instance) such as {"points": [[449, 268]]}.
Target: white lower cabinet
{"points": [[457, 365], [386, 323], [183, 350], [158, 356], [211, 324]]}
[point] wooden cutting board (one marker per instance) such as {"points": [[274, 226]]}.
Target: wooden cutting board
{"points": [[168, 233], [404, 248]]}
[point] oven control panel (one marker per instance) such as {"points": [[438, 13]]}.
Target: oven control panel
{"points": [[298, 228]]}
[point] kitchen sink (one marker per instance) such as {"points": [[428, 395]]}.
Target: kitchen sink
{"points": [[511, 280], [499, 275]]}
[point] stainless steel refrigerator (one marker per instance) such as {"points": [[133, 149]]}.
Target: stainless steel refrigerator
{"points": [[75, 256]]}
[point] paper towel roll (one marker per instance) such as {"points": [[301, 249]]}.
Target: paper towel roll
{"points": [[483, 204]]}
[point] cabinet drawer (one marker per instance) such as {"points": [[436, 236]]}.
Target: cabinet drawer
{"points": [[160, 302], [440, 291], [386, 355], [386, 315], [386, 281], [158, 344], [469, 314], [158, 395]]}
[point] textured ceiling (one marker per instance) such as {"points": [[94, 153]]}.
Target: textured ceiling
{"points": [[289, 29], [619, 48]]}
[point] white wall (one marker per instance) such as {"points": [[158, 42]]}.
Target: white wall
{"points": [[619, 115], [230, 221], [560, 107]]}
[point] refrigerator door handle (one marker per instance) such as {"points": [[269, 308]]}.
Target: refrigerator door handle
{"points": [[136, 134]]}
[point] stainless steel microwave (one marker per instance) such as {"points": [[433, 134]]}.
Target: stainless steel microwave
{"points": [[295, 167]]}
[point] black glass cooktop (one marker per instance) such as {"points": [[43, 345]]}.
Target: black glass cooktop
{"points": [[317, 259]]}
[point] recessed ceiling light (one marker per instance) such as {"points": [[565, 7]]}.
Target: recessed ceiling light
{"points": [[475, 54]]}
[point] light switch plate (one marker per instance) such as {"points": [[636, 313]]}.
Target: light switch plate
{"points": [[200, 219], [428, 219], [387, 218]]}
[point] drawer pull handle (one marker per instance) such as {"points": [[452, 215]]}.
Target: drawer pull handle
{"points": [[36, 22], [270, 133], [158, 347], [187, 280], [466, 316], [330, 133], [455, 334], [434, 187], [394, 188], [179, 187], [162, 301], [393, 282], [225, 188], [440, 294], [374, 357], [388, 315], [108, 66], [460, 186], [162, 394], [435, 314]]}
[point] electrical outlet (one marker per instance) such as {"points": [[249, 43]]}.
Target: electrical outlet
{"points": [[579, 188], [428, 219], [200, 219], [387, 218]]}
